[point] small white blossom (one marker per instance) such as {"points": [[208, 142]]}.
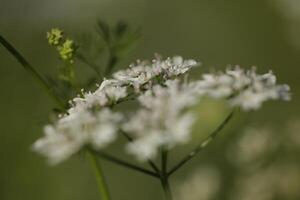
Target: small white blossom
{"points": [[243, 88], [72, 132], [165, 117], [162, 121], [110, 91], [143, 73]]}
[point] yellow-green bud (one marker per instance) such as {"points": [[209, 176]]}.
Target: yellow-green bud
{"points": [[66, 50], [54, 36]]}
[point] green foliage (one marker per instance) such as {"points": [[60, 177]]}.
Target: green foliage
{"points": [[119, 39], [65, 46], [99, 54]]}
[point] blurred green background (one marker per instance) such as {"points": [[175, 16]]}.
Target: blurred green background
{"points": [[215, 32]]}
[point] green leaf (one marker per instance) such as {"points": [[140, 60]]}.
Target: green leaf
{"points": [[104, 30]]}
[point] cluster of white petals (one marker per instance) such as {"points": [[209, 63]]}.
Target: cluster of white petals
{"points": [[244, 88], [71, 132], [90, 121], [109, 92], [164, 118], [143, 74]]}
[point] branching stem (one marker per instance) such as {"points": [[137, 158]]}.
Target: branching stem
{"points": [[102, 186], [150, 162], [164, 179], [32, 71], [125, 164], [203, 144]]}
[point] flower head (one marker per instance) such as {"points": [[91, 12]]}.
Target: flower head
{"points": [[54, 36], [243, 88], [66, 50], [162, 120], [72, 132], [144, 73]]}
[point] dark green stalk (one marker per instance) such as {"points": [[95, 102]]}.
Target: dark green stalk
{"points": [[202, 145], [125, 164], [102, 186], [164, 179], [32, 71], [164, 161], [93, 160], [166, 187]]}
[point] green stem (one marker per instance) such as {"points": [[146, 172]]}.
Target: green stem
{"points": [[166, 187], [102, 186], [125, 164], [202, 145], [94, 163], [31, 71], [164, 161], [164, 179]]}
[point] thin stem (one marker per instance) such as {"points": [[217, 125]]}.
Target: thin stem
{"points": [[125, 164], [166, 187], [31, 71], [164, 179], [102, 186], [153, 166], [150, 162], [202, 145], [164, 161]]}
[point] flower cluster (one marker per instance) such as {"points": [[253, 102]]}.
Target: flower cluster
{"points": [[71, 132], [164, 118], [65, 46], [90, 121], [144, 74], [244, 88], [66, 50], [54, 36]]}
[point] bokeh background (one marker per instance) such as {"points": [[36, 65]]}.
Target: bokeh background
{"points": [[264, 33]]}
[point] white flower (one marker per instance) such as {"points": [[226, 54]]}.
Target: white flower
{"points": [[165, 117], [173, 66], [110, 91], [72, 132], [162, 121], [143, 73], [243, 88]]}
